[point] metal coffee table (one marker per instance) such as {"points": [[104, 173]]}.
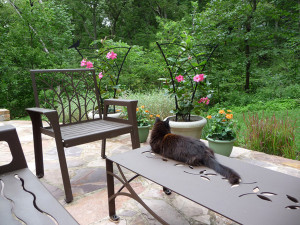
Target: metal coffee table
{"points": [[263, 197]]}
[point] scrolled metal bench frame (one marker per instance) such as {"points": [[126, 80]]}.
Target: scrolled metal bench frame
{"points": [[22, 197]]}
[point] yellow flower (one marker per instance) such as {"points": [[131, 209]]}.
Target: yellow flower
{"points": [[151, 116], [208, 117], [157, 115], [229, 116], [142, 106], [137, 109], [222, 111], [229, 111]]}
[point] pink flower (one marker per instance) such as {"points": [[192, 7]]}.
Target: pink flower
{"points": [[204, 100], [179, 78], [83, 63], [111, 55], [89, 64], [100, 75], [199, 77], [190, 57]]}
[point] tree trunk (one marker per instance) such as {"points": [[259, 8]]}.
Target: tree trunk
{"points": [[253, 4], [95, 5], [248, 65]]}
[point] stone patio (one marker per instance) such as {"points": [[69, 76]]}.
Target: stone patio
{"points": [[88, 179]]}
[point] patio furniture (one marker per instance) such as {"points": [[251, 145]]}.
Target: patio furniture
{"points": [[22, 196], [263, 197], [69, 98]]}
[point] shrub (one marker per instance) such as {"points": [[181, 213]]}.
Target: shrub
{"points": [[157, 102], [271, 135], [273, 105]]}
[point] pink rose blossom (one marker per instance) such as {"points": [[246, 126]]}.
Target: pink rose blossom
{"points": [[100, 75], [199, 77], [89, 64], [179, 78], [204, 100], [83, 63], [111, 55]]}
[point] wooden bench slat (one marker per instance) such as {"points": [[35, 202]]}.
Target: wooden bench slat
{"points": [[84, 129]]}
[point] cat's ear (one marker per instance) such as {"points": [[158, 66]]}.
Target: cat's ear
{"points": [[157, 119], [167, 121]]}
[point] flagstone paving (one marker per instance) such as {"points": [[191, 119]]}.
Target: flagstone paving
{"points": [[88, 179]]}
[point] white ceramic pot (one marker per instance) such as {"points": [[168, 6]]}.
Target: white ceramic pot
{"points": [[113, 115], [192, 128]]}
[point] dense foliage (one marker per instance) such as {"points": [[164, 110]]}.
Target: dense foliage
{"points": [[256, 60]]}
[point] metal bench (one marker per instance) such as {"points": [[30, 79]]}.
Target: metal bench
{"points": [[68, 98], [263, 197], [23, 199]]}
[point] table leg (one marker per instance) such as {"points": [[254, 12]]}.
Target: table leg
{"points": [[111, 191]]}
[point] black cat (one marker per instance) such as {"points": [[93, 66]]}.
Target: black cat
{"points": [[187, 150]]}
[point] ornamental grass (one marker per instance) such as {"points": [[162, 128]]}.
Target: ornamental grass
{"points": [[271, 135]]}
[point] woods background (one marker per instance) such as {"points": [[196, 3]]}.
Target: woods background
{"points": [[257, 59]]}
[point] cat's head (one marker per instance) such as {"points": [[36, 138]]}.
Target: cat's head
{"points": [[163, 125]]}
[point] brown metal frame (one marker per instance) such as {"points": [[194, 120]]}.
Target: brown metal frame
{"points": [[62, 93], [263, 196], [22, 196]]}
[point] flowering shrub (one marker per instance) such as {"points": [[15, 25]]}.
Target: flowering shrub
{"points": [[186, 82], [221, 125], [108, 65]]}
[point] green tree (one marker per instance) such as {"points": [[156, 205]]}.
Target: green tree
{"points": [[33, 36], [253, 35]]}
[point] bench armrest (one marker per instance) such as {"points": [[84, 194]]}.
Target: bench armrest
{"points": [[52, 115], [131, 110], [40, 110]]}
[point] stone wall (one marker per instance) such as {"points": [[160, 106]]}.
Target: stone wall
{"points": [[4, 115]]}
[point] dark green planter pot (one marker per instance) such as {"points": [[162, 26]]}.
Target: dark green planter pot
{"points": [[221, 147], [143, 133]]}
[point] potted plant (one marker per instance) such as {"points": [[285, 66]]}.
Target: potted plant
{"points": [[221, 133], [187, 85], [144, 120]]}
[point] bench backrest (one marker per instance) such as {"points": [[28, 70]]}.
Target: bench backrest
{"points": [[73, 93], [8, 134]]}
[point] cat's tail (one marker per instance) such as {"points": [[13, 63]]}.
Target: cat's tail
{"points": [[232, 176]]}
